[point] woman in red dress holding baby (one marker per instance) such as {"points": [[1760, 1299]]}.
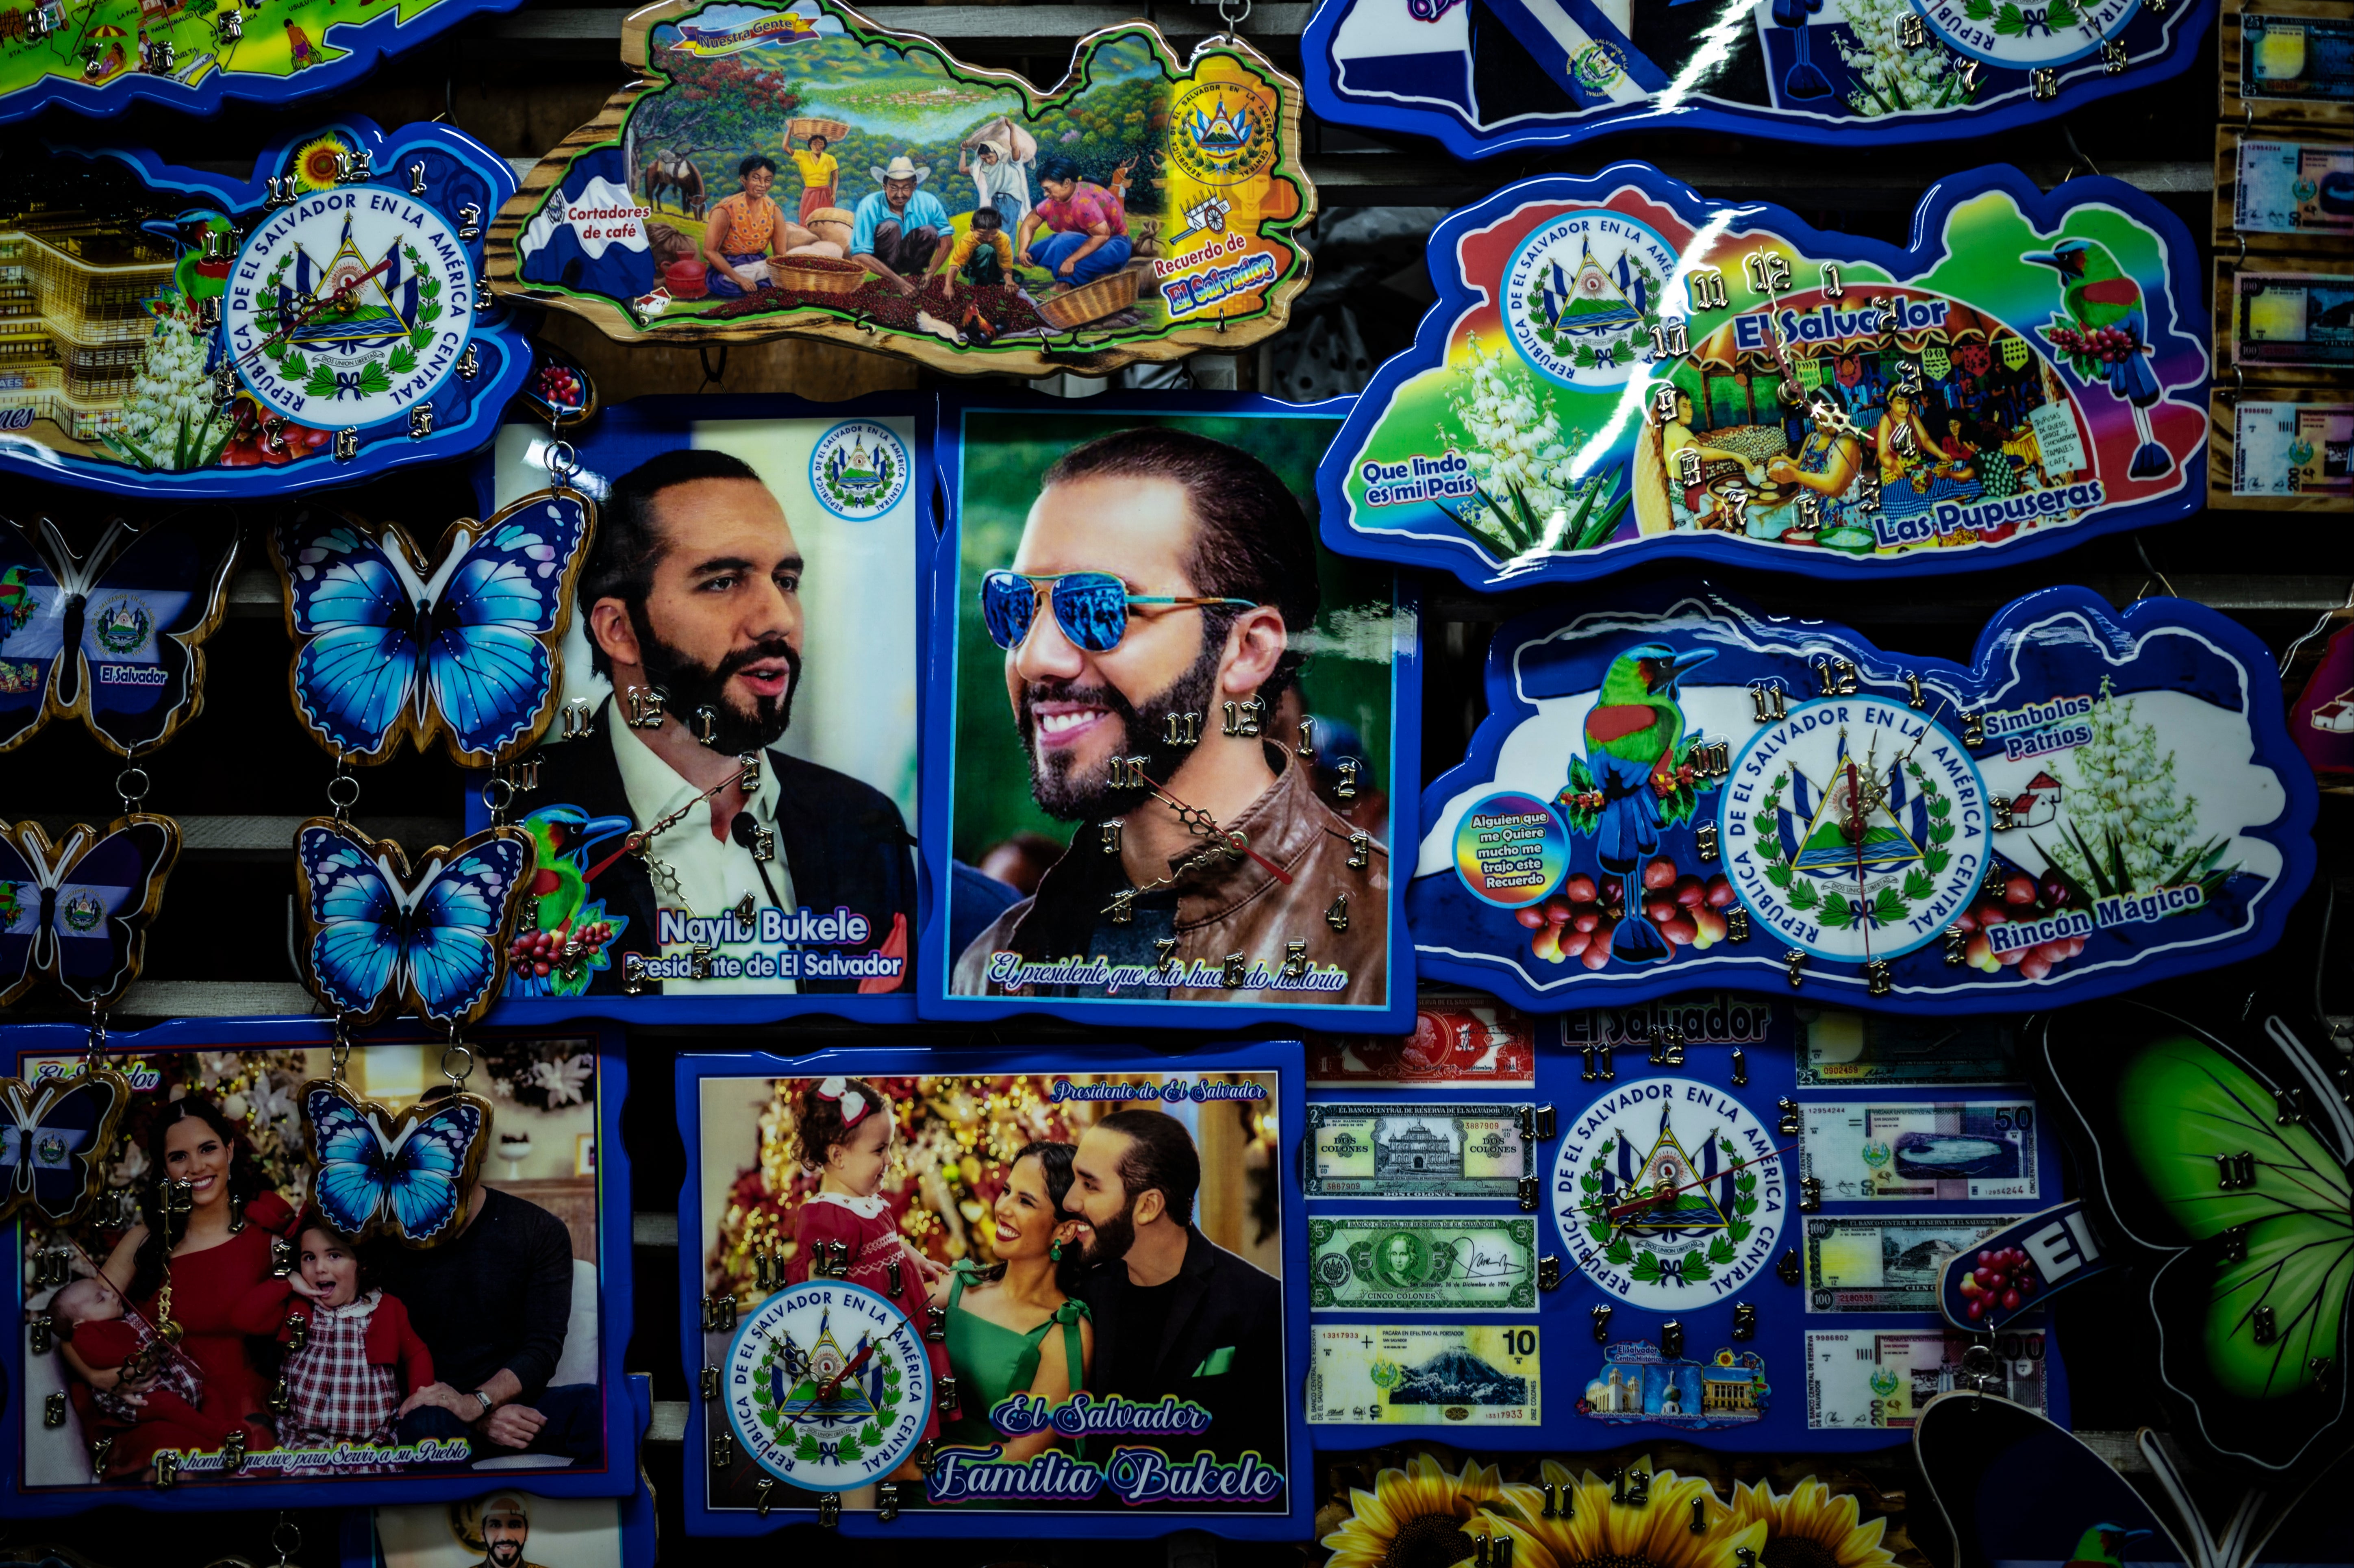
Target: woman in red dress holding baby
{"points": [[221, 1251]]}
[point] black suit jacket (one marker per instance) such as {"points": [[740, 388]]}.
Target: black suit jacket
{"points": [[844, 842], [1221, 1348]]}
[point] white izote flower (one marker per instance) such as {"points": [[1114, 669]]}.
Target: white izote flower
{"points": [[1894, 79], [1519, 448], [566, 1082]]}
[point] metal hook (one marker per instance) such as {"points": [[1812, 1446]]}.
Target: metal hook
{"points": [[2143, 550], [132, 795], [712, 376]]}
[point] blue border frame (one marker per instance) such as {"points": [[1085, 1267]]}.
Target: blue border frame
{"points": [[1567, 1354], [378, 39], [2083, 82], [624, 1425], [1756, 965], [1104, 1520], [362, 1549], [933, 1001], [504, 351], [676, 412], [2181, 317]]}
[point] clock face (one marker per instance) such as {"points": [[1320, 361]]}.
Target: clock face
{"points": [[828, 1386], [1714, 1183]]}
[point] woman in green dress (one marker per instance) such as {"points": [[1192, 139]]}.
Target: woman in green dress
{"points": [[1013, 1326]]}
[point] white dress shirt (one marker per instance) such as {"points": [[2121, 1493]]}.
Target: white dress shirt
{"points": [[713, 873]]}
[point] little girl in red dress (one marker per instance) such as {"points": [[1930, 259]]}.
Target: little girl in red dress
{"points": [[843, 1129]]}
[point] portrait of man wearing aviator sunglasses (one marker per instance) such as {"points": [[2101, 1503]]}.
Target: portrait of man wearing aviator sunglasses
{"points": [[1162, 572]]}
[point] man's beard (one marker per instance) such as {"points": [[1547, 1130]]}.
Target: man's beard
{"points": [[690, 687], [1110, 1240], [1089, 797], [506, 1554]]}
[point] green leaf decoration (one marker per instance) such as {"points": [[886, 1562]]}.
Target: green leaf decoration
{"points": [[402, 361], [1779, 876], [1836, 912], [1917, 886], [322, 383], [1622, 1251], [1937, 860], [1803, 894], [1721, 1250]]}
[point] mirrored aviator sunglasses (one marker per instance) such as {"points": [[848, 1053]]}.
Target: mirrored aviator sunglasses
{"points": [[1090, 608]]}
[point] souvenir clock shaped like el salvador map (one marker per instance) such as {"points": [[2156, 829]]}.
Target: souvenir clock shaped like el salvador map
{"points": [[797, 171], [318, 323], [1618, 369], [1679, 791], [100, 57], [1496, 76]]}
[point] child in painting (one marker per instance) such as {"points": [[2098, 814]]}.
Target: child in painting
{"points": [[357, 1357], [983, 255], [843, 1129], [160, 1392]]}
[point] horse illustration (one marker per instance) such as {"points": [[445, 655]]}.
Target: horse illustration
{"points": [[677, 176]]}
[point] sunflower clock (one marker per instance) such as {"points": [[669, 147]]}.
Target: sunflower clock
{"points": [[317, 324], [1638, 1514]]}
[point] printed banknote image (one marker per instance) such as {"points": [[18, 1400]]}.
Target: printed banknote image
{"points": [[722, 807]]}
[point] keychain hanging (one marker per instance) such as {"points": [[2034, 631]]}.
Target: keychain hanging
{"points": [[403, 1174], [55, 1135]]}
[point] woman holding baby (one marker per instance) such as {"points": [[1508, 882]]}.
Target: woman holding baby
{"points": [[194, 1272]]}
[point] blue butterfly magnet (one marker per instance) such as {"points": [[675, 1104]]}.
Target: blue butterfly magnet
{"points": [[54, 1132], [77, 911], [463, 645], [376, 939], [113, 635], [380, 1172], [1673, 789]]}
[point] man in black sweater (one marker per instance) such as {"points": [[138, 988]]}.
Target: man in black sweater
{"points": [[492, 1303], [1174, 1313]]}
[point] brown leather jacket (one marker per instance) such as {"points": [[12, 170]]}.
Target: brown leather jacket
{"points": [[1226, 908]]}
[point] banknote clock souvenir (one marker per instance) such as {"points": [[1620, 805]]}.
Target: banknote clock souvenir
{"points": [[823, 1195], [313, 326], [1618, 369], [1495, 76], [1678, 790], [101, 57], [794, 170], [1683, 1231]]}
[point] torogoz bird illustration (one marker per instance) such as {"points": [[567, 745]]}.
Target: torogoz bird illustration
{"points": [[2106, 337], [1632, 735], [2101, 1546]]}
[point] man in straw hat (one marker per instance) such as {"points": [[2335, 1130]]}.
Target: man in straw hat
{"points": [[900, 229]]}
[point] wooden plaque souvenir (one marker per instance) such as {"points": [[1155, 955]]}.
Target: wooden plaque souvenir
{"points": [[1677, 790], [202, 337], [1195, 749], [807, 730], [835, 1306], [1618, 370], [797, 171], [531, 1272], [101, 57], [1496, 76]]}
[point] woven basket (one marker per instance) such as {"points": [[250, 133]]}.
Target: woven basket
{"points": [[1094, 301], [802, 129], [791, 272]]}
